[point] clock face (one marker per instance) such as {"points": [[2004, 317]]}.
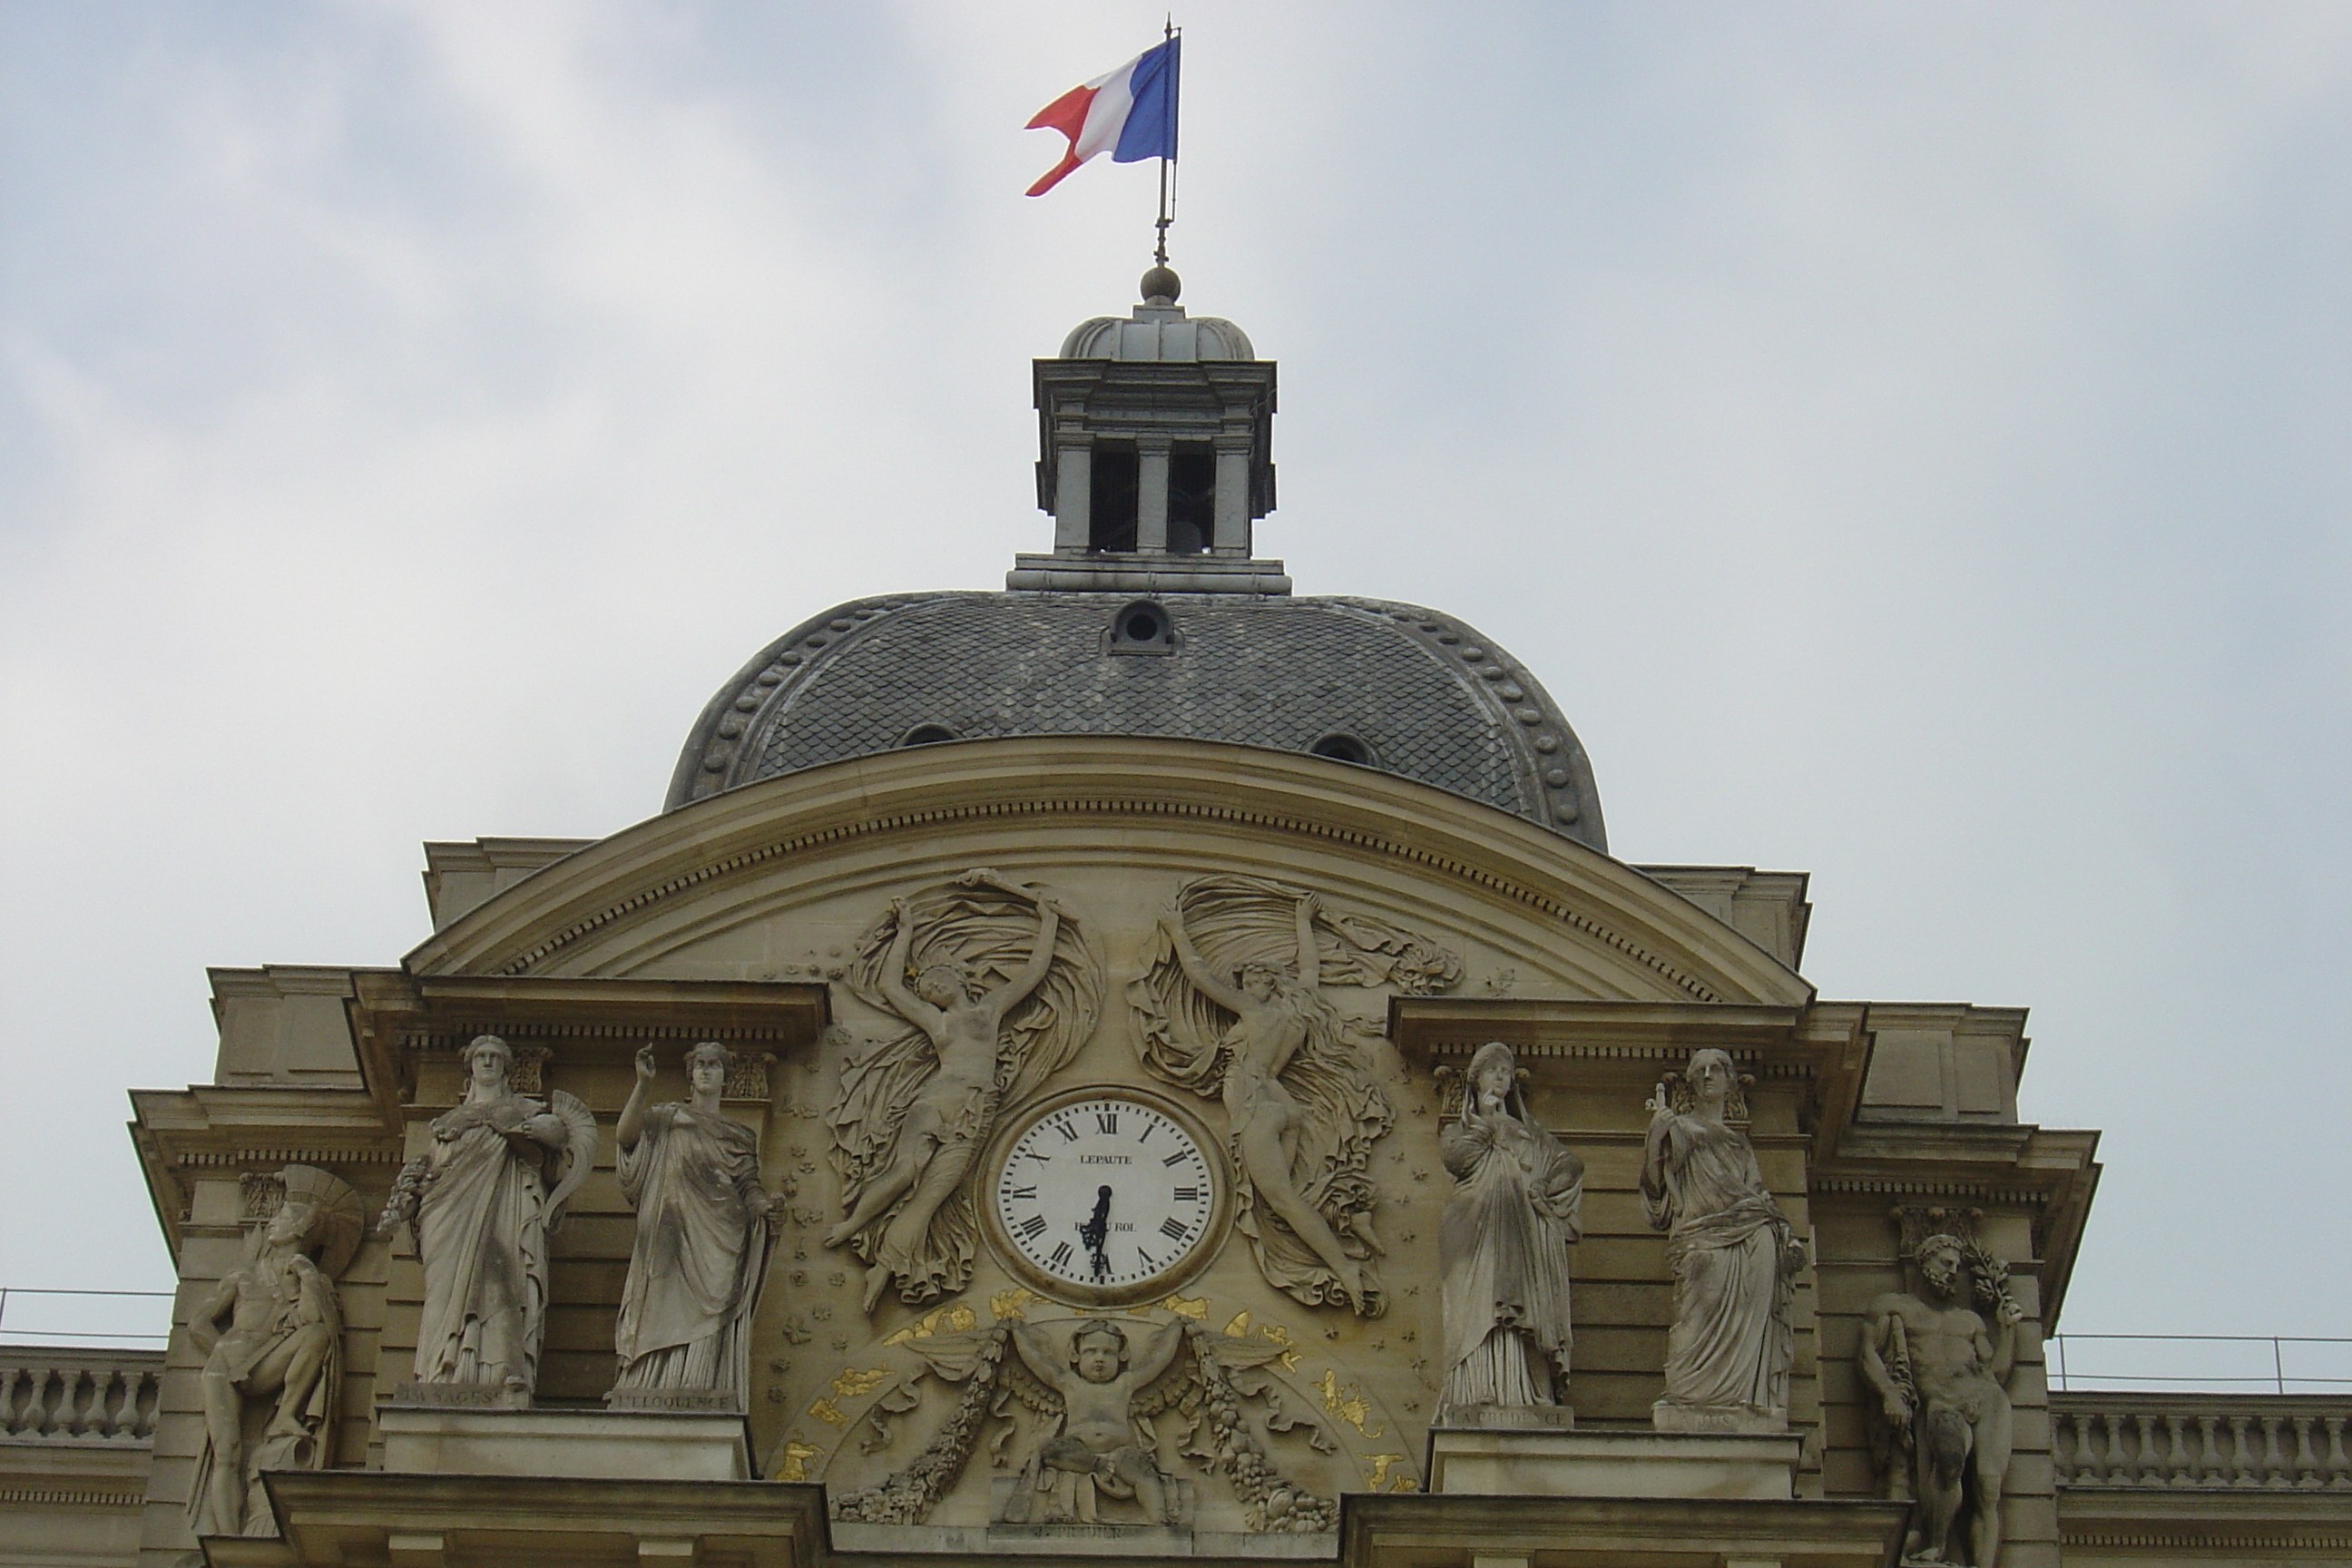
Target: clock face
{"points": [[1107, 1197]]}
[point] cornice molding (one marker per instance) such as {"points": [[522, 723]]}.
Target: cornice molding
{"points": [[551, 914]]}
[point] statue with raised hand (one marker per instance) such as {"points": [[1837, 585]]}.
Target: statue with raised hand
{"points": [[704, 1234]]}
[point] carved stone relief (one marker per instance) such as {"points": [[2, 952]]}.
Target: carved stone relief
{"points": [[998, 988], [704, 1234], [272, 1336], [482, 1202], [1733, 1256], [1503, 1252], [1232, 1004], [1937, 1370], [1105, 1415]]}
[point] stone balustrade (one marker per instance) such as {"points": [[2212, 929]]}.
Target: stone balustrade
{"points": [[2206, 1442], [96, 1396]]}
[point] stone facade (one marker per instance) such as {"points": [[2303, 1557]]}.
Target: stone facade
{"points": [[929, 963]]}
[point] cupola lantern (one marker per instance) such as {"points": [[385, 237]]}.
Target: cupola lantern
{"points": [[1155, 455]]}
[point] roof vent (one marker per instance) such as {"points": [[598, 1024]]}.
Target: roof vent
{"points": [[1143, 627], [1342, 748]]}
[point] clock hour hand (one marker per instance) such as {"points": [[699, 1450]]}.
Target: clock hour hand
{"points": [[1096, 1233]]}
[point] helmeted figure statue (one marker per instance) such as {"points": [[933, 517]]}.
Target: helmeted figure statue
{"points": [[1943, 1421], [272, 1334], [483, 1200], [692, 1173], [1734, 1258], [1503, 1245]]}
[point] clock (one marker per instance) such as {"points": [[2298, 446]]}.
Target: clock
{"points": [[1107, 1198]]}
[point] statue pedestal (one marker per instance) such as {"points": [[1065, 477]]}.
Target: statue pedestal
{"points": [[1718, 1418], [605, 1445], [1496, 1462]]}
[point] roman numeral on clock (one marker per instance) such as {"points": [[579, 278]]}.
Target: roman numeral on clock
{"points": [[1017, 1194], [1066, 1131], [1177, 1158], [1172, 1229], [1106, 1121], [1187, 1194], [1061, 1258], [1034, 1226]]}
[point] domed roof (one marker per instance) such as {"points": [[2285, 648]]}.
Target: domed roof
{"points": [[1158, 333], [1363, 681]]}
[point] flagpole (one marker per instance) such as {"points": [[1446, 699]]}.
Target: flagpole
{"points": [[1159, 249]]}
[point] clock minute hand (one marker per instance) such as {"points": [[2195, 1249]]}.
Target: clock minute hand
{"points": [[1096, 1232]]}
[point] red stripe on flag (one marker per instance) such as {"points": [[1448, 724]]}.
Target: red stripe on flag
{"points": [[1066, 114]]}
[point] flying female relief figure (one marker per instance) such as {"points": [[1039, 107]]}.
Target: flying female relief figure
{"points": [[914, 1114], [1302, 1109]]}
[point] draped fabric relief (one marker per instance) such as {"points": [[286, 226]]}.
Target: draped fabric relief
{"points": [[985, 928], [1297, 1072]]}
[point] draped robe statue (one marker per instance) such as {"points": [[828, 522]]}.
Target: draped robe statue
{"points": [[1735, 1262], [1503, 1245], [483, 1199], [692, 1174]]}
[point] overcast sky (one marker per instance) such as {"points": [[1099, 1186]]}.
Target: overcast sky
{"points": [[1910, 441]]}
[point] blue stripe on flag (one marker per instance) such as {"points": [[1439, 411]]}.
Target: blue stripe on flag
{"points": [[1150, 127]]}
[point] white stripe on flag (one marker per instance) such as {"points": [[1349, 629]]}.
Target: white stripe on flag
{"points": [[1107, 116]]}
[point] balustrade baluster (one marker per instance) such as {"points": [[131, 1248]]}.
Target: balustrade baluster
{"points": [[2116, 1469], [2176, 1468], [2306, 1463], [2210, 1463], [57, 1417], [2087, 1448], [2243, 1472], [142, 1405], [9, 1378], [2273, 1457], [126, 1410], [2149, 1470], [2339, 1466]]}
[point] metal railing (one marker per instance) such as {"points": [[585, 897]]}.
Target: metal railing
{"points": [[2270, 1364], [83, 1307]]}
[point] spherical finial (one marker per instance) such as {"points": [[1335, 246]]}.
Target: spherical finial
{"points": [[1162, 286]]}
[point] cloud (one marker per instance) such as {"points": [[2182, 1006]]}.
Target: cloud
{"points": [[1906, 438]]}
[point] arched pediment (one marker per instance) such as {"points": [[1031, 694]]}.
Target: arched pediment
{"points": [[772, 879]]}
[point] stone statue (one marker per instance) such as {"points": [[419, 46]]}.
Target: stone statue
{"points": [[1095, 1451], [1943, 1416], [1101, 1390], [914, 1114], [1734, 1258], [1503, 1244], [692, 1173], [1231, 1004], [482, 1201], [272, 1336]]}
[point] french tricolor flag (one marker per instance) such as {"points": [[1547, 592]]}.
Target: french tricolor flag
{"points": [[1129, 112]]}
